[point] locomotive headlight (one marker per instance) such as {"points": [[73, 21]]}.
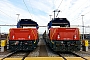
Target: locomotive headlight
{"points": [[13, 36], [29, 36], [17, 42], [58, 36], [34, 42], [75, 37], [62, 42]]}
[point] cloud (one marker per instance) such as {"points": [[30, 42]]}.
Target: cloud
{"points": [[40, 5], [9, 12], [40, 10]]}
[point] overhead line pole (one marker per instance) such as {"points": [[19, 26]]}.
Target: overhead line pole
{"points": [[83, 26], [18, 17]]}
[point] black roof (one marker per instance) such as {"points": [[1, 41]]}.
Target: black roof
{"points": [[26, 22], [58, 22]]}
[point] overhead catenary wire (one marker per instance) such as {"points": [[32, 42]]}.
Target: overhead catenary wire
{"points": [[78, 7], [60, 4], [87, 13], [80, 15], [58, 8], [82, 11], [3, 21], [7, 14], [9, 6], [27, 8], [53, 7], [32, 8]]}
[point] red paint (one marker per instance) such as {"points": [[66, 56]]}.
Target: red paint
{"points": [[23, 34], [64, 34]]}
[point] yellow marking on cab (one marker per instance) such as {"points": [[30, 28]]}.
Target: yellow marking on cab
{"points": [[53, 34], [34, 36]]}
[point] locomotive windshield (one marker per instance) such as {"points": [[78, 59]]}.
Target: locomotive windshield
{"points": [[26, 22], [61, 22], [29, 27]]}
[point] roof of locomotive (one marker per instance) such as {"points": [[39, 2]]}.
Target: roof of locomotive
{"points": [[26, 22], [58, 22]]}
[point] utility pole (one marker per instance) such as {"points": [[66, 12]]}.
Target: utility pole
{"points": [[83, 26], [18, 17], [0, 33]]}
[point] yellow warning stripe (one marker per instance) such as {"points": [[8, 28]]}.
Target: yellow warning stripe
{"points": [[34, 34], [47, 58], [53, 34]]}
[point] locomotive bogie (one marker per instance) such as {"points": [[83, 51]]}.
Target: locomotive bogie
{"points": [[22, 45], [65, 45]]}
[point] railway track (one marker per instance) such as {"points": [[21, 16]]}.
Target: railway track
{"points": [[61, 56], [34, 53], [69, 54], [85, 54], [9, 54], [15, 54], [77, 55]]}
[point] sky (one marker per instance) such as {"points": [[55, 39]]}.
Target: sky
{"points": [[39, 11]]}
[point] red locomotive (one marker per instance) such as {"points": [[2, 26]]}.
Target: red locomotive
{"points": [[63, 37], [21, 38]]}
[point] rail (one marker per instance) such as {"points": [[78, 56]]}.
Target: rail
{"points": [[62, 56], [8, 55], [78, 55], [14, 53]]}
